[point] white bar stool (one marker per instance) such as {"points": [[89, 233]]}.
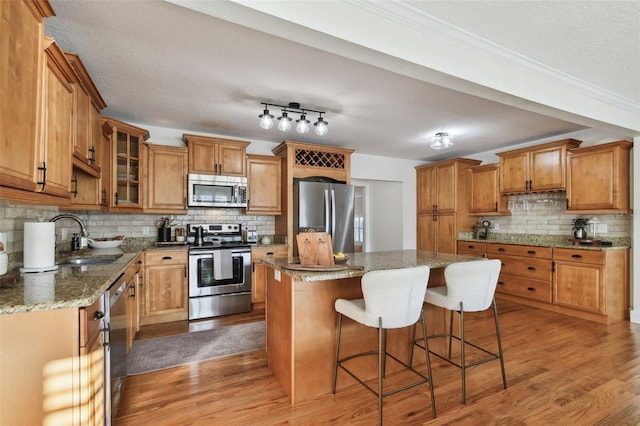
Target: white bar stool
{"points": [[470, 287], [392, 299]]}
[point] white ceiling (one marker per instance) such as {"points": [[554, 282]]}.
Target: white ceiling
{"points": [[165, 65]]}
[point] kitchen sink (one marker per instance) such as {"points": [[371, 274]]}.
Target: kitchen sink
{"points": [[86, 261]]}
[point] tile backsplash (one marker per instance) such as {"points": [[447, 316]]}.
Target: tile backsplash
{"points": [[102, 224]]}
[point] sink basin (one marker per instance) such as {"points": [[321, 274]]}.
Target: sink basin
{"points": [[86, 261]]}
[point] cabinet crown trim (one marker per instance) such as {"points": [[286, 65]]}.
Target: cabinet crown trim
{"points": [[570, 143], [186, 138]]}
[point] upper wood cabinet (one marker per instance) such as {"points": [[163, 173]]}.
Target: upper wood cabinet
{"points": [[486, 199], [58, 77], [443, 200], [539, 168], [598, 178], [123, 163], [88, 104], [165, 180], [214, 156], [264, 185], [21, 33]]}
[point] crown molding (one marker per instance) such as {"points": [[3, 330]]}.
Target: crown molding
{"points": [[418, 20]]}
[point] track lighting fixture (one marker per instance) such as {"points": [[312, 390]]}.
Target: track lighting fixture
{"points": [[284, 121], [441, 141]]}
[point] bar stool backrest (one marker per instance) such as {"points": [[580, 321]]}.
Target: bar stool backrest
{"points": [[472, 283], [395, 295]]}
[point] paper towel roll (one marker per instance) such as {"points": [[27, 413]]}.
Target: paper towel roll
{"points": [[39, 247]]}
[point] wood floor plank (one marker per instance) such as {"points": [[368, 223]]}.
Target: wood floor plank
{"points": [[560, 370]]}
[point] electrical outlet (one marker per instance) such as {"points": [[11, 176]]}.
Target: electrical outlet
{"points": [[496, 226], [601, 228], [63, 234], [3, 239], [145, 230]]}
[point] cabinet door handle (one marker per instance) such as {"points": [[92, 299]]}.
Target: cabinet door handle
{"points": [[531, 268], [98, 315], [576, 256], [502, 249], [74, 183], [531, 252], [44, 175], [115, 196], [167, 258]]}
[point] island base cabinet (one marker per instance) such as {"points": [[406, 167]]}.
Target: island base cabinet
{"points": [[301, 335]]}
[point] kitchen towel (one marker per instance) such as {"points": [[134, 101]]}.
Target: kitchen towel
{"points": [[39, 247]]}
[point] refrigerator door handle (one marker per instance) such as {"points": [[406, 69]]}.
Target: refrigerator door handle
{"points": [[327, 213], [333, 211]]}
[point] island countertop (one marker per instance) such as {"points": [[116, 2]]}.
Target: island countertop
{"points": [[360, 263]]}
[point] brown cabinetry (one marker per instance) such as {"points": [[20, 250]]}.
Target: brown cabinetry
{"points": [[132, 276], [87, 139], [525, 272], [215, 156], [535, 169], [486, 199], [264, 180], [166, 179], [593, 281], [259, 271], [92, 360], [443, 200], [123, 165], [21, 33], [165, 287], [598, 178], [57, 114], [592, 284]]}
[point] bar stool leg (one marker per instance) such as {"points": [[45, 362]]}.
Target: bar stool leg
{"points": [[426, 354], [463, 364], [495, 314], [335, 367], [381, 363]]}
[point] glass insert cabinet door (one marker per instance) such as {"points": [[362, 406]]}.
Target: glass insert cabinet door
{"points": [[127, 170], [124, 162]]}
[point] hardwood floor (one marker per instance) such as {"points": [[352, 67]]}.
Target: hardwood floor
{"points": [[560, 371]]}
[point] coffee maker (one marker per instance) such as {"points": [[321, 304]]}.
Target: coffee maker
{"points": [[482, 230]]}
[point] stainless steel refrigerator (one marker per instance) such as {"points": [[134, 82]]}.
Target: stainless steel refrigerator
{"points": [[325, 207]]}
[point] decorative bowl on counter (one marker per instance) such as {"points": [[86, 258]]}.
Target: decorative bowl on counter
{"points": [[105, 242], [340, 260]]}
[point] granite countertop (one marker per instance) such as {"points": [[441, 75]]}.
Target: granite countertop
{"points": [[360, 263], [68, 286], [541, 240]]}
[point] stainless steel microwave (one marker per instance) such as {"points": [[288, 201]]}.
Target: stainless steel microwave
{"points": [[217, 191]]}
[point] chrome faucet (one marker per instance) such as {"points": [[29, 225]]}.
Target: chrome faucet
{"points": [[83, 228]]}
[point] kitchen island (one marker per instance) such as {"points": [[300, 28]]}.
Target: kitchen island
{"points": [[301, 319]]}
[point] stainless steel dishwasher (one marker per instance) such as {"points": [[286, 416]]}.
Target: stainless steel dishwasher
{"points": [[116, 345]]}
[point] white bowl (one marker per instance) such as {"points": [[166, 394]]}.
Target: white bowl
{"points": [[105, 244]]}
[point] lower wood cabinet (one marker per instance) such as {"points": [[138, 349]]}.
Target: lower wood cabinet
{"points": [[165, 287], [587, 283], [259, 271], [593, 281], [132, 278], [54, 370]]}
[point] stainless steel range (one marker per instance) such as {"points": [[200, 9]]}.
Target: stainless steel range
{"points": [[219, 270]]}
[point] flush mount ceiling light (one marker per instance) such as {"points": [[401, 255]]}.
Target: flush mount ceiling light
{"points": [[441, 141], [284, 121]]}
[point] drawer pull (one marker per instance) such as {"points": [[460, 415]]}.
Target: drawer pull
{"points": [[167, 258], [471, 247], [501, 283], [502, 249], [531, 289], [531, 252], [531, 268], [270, 253], [98, 315], [576, 256]]}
